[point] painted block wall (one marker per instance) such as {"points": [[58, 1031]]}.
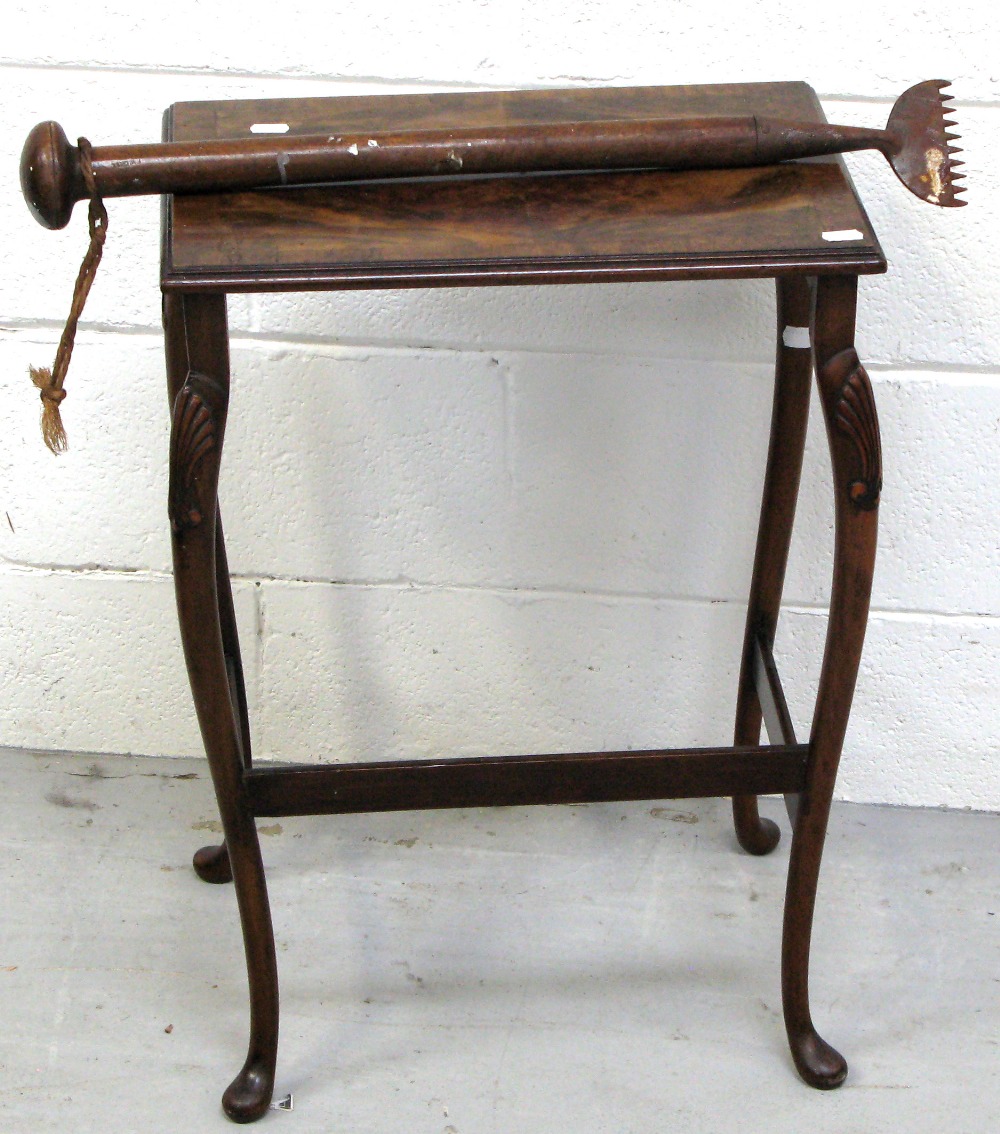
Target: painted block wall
{"points": [[476, 521]]}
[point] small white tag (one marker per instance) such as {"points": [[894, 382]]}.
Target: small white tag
{"points": [[269, 128], [287, 1103], [796, 337], [844, 234]]}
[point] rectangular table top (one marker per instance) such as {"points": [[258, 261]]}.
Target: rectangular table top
{"points": [[521, 228]]}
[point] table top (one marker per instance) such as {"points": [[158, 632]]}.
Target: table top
{"points": [[522, 228]]}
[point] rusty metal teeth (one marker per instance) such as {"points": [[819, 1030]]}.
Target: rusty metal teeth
{"points": [[953, 168]]}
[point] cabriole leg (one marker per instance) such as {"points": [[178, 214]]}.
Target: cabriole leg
{"points": [[789, 418], [855, 449], [198, 376], [211, 863]]}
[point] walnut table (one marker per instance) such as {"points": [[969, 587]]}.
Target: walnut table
{"points": [[773, 222]]}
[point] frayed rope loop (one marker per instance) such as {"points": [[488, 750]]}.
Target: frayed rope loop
{"points": [[50, 382]]}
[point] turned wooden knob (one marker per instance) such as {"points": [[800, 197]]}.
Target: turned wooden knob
{"points": [[51, 178]]}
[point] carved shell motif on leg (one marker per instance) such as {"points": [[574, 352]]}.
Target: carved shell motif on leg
{"points": [[192, 440], [856, 418]]}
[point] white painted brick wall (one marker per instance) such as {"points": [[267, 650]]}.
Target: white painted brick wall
{"points": [[499, 519]]}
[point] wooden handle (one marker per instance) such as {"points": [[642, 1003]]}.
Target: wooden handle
{"points": [[52, 179]]}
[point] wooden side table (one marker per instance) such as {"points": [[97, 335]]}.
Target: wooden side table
{"points": [[792, 222]]}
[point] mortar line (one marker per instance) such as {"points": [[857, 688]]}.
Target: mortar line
{"points": [[442, 85], [258, 680], [528, 594], [510, 432], [250, 339], [553, 82], [889, 100]]}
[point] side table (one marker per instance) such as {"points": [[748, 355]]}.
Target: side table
{"points": [[799, 223]]}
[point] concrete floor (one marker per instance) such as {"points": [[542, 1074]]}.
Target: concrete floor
{"points": [[609, 968]]}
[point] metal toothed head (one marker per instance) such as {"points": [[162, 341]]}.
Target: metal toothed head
{"points": [[921, 146], [955, 168]]}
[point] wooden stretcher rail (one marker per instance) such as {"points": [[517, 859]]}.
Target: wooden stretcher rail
{"points": [[503, 781], [774, 709]]}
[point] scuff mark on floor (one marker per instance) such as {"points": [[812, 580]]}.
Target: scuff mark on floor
{"points": [[61, 799], [674, 816]]}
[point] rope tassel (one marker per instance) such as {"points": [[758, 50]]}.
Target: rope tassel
{"points": [[50, 381]]}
